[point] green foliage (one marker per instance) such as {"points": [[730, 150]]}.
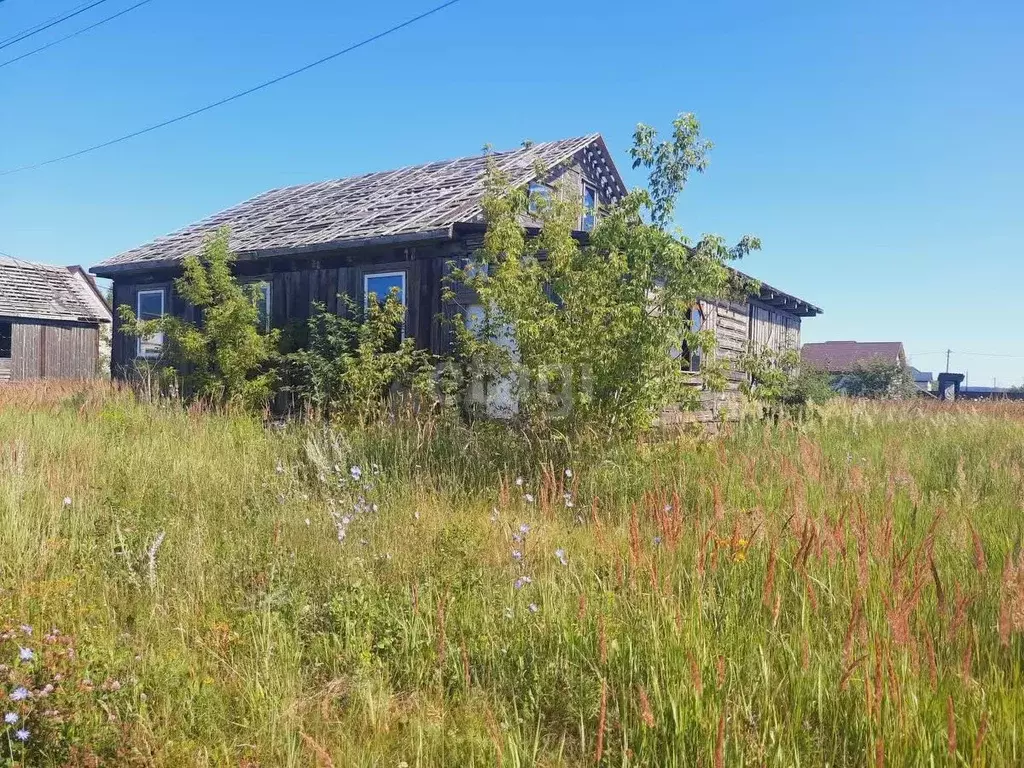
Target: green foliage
{"points": [[879, 380], [351, 363], [594, 325], [224, 358], [777, 378]]}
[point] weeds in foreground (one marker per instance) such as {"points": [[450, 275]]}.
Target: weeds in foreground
{"points": [[847, 590]]}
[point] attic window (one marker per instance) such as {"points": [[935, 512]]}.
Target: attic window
{"points": [[589, 218], [537, 192], [5, 340]]}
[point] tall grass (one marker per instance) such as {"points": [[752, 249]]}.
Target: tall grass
{"points": [[847, 590]]}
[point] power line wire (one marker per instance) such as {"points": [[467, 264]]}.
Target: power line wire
{"points": [[25, 34], [235, 96], [60, 40], [46, 21]]}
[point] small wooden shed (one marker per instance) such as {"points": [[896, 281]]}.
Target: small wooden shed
{"points": [[50, 320]]}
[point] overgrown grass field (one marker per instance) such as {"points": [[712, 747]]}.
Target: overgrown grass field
{"points": [[189, 588]]}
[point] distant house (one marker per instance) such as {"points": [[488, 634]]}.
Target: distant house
{"points": [[923, 380], [403, 229], [848, 356], [50, 319]]}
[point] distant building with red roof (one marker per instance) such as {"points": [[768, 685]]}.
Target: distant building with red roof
{"points": [[848, 356]]}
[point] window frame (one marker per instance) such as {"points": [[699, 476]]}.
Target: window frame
{"points": [[367, 276], [9, 324], [586, 185], [139, 352]]}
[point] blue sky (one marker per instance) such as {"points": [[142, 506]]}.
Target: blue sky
{"points": [[875, 147]]}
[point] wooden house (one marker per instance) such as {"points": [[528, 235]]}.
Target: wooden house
{"points": [[50, 320], [401, 228]]}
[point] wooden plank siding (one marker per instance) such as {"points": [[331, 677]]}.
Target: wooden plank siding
{"points": [[51, 349], [773, 329], [296, 284]]}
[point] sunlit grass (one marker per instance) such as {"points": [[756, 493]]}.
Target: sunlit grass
{"points": [[839, 591]]}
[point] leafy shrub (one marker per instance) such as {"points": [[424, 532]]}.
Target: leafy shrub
{"points": [[879, 380], [223, 358], [351, 363], [778, 378]]}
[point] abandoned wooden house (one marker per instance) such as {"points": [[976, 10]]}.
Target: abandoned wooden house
{"points": [[50, 320], [398, 229]]}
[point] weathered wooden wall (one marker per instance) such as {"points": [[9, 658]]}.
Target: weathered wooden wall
{"points": [[773, 329], [295, 284], [43, 349]]}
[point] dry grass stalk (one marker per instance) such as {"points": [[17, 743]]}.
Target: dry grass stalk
{"points": [[720, 671], [494, 731], [879, 752], [602, 714], [980, 739], [933, 667], [442, 638], [602, 642], [844, 681], [695, 675], [720, 743], [645, 707], [776, 609], [634, 540], [980, 563], [323, 757], [769, 579], [719, 506], [950, 727], [581, 608], [851, 628], [465, 664]]}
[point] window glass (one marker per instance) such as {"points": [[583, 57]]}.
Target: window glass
{"points": [[380, 285], [589, 208], [150, 306], [696, 324], [537, 192], [5, 340], [263, 306]]}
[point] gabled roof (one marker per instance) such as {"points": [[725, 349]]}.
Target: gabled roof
{"points": [[389, 206], [46, 292], [847, 356], [921, 377]]}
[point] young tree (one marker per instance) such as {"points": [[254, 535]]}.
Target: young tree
{"points": [[879, 380], [603, 320], [352, 362], [224, 358]]}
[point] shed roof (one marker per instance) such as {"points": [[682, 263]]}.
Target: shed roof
{"points": [[46, 292], [846, 356], [408, 203]]}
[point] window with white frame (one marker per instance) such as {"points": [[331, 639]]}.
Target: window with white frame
{"points": [[149, 305], [589, 218], [539, 196], [380, 285]]}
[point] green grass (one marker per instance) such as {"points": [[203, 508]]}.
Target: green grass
{"points": [[724, 629]]}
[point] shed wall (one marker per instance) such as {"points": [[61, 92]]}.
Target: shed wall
{"points": [[43, 349]]}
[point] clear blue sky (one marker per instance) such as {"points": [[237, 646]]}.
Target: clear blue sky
{"points": [[875, 147]]}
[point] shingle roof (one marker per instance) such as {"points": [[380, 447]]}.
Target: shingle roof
{"points": [[846, 356], [44, 292], [409, 201]]}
